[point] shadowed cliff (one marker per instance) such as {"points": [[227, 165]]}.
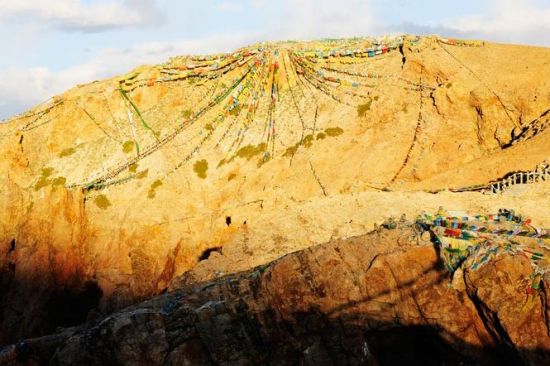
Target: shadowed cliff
{"points": [[383, 298]]}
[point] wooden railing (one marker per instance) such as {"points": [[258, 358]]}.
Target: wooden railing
{"points": [[538, 175]]}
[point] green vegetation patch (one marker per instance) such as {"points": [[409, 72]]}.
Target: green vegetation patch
{"points": [[133, 168], [448, 85], [67, 152], [153, 188], [291, 150], [128, 146], [42, 182], [249, 151], [59, 181], [334, 131], [187, 113], [363, 108], [307, 142], [102, 201], [46, 172], [44, 179], [143, 174], [209, 127], [200, 167]]}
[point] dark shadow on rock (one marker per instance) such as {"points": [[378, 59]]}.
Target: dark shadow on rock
{"points": [[283, 314], [36, 308], [69, 306]]}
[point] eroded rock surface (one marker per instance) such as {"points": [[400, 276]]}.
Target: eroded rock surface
{"points": [[383, 298]]}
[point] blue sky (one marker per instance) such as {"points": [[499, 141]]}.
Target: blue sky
{"points": [[49, 46]]}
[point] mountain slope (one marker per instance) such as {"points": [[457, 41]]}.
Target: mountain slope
{"points": [[124, 183]]}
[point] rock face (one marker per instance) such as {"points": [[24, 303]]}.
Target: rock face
{"points": [[116, 188], [379, 299]]}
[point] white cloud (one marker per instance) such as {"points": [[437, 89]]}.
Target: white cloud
{"points": [[229, 6], [76, 15], [23, 88], [328, 18], [525, 22]]}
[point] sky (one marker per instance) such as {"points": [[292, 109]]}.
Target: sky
{"points": [[49, 46]]}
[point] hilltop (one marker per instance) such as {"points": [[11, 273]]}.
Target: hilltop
{"points": [[219, 163]]}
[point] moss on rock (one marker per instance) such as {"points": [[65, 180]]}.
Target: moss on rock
{"points": [[334, 131], [153, 188], [363, 108], [102, 202], [128, 146], [67, 152], [200, 167]]}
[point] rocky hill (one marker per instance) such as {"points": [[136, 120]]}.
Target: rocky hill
{"points": [[114, 189], [383, 298]]}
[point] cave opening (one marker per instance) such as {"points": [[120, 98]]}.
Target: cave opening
{"points": [[207, 252], [228, 220], [12, 246]]}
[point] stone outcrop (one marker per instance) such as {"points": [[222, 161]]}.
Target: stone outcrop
{"points": [[379, 299]]}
